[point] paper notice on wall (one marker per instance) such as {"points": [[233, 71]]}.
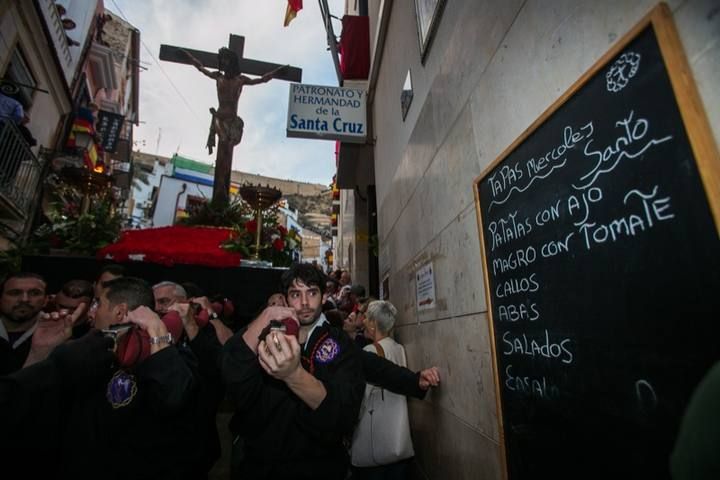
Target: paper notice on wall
{"points": [[425, 287]]}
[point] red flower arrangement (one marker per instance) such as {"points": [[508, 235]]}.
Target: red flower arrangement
{"points": [[65, 226], [277, 244]]}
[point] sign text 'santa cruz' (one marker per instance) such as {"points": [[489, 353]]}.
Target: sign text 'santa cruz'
{"points": [[330, 113]]}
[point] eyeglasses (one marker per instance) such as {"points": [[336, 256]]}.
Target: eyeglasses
{"points": [[165, 301]]}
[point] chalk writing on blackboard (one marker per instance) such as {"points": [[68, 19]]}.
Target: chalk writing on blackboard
{"points": [[622, 147], [539, 387], [543, 346], [649, 211], [536, 168], [622, 71]]}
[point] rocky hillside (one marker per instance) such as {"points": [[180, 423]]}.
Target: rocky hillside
{"points": [[314, 211]]}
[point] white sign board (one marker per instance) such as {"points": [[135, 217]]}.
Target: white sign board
{"points": [[425, 287], [328, 113]]}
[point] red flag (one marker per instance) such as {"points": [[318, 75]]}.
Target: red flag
{"points": [[293, 7]]}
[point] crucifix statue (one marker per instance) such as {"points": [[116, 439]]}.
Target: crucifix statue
{"points": [[229, 66]]}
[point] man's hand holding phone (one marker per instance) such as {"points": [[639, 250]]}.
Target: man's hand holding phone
{"points": [[255, 329], [279, 354]]}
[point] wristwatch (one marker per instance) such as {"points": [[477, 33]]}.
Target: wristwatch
{"points": [[213, 316], [167, 338]]}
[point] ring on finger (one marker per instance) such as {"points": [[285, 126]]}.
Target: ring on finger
{"points": [[277, 342]]}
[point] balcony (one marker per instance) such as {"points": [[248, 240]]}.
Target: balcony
{"points": [[19, 174]]}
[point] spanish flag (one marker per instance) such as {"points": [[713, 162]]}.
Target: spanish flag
{"points": [[293, 7], [83, 123]]}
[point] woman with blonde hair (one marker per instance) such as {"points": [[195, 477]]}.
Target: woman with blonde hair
{"points": [[382, 447]]}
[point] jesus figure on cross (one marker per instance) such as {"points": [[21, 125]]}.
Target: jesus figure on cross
{"points": [[225, 121]]}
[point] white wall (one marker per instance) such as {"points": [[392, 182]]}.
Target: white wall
{"points": [[142, 192], [170, 188]]}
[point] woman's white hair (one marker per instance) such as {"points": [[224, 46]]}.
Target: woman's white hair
{"points": [[383, 314]]}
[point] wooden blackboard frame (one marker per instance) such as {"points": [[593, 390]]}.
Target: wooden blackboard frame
{"points": [[696, 125]]}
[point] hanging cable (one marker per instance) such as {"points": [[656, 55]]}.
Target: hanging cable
{"points": [[187, 104]]}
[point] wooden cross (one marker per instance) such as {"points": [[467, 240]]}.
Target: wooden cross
{"points": [[236, 44]]}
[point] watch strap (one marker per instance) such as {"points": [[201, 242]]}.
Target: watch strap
{"points": [[167, 338]]}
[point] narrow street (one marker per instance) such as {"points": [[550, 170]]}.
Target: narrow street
{"points": [[360, 239]]}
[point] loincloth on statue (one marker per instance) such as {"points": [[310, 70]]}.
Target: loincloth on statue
{"points": [[227, 129], [230, 129]]}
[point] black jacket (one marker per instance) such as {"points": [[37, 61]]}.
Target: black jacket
{"points": [[284, 438], [72, 431], [208, 350], [12, 359]]}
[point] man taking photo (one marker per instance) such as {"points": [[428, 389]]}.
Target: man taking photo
{"points": [[295, 398]]}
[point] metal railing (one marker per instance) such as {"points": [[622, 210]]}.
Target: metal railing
{"points": [[19, 169]]}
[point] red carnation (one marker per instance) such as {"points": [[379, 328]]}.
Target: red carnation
{"points": [[283, 231], [279, 244], [251, 226]]}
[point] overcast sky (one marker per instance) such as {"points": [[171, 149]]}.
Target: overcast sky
{"points": [[206, 25]]}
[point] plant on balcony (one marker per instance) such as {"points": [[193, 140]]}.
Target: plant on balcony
{"points": [[277, 244], [70, 229]]}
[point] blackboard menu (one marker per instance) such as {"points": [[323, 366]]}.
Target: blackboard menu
{"points": [[602, 262]]}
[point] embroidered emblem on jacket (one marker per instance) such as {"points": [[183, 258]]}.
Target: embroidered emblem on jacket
{"points": [[327, 351], [121, 389]]}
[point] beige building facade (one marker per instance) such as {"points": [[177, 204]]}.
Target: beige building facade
{"points": [[37, 69], [492, 68], [23, 41]]}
